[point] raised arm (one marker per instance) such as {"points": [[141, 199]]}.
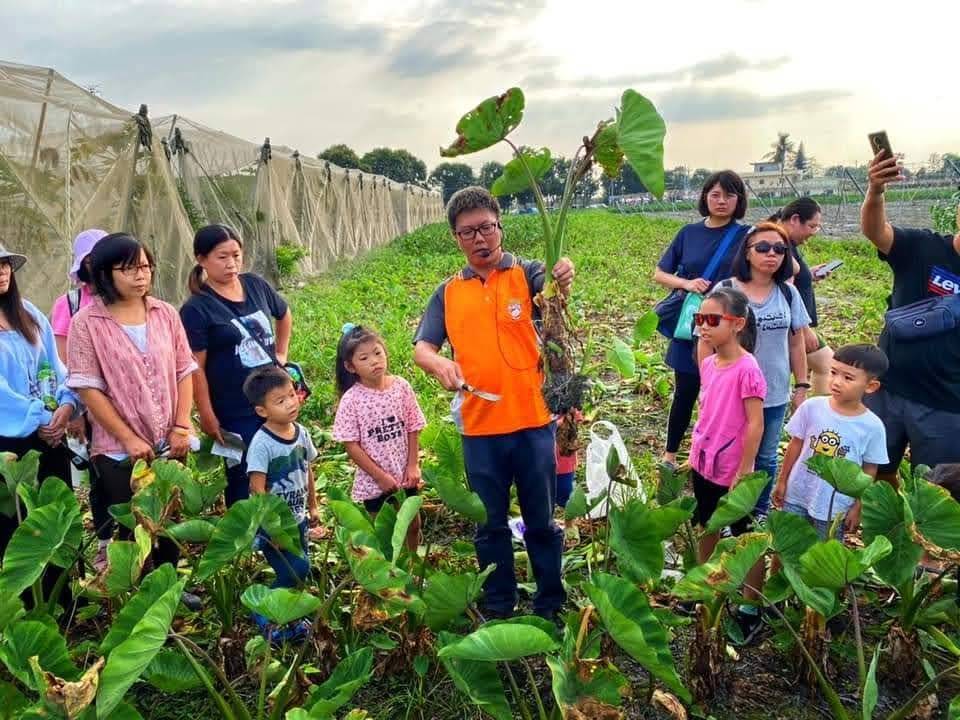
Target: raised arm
{"points": [[873, 213]]}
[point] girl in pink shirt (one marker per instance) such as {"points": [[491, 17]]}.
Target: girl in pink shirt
{"points": [[730, 423], [379, 421]]}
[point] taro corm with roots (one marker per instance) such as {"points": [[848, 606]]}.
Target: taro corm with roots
{"points": [[634, 136]]}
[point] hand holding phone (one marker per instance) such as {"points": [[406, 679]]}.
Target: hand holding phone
{"points": [[824, 270], [884, 167], [879, 142]]}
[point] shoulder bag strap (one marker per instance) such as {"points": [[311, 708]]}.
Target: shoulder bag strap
{"points": [[721, 251]]}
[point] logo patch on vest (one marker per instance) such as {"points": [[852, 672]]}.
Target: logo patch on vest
{"points": [[943, 282], [514, 309]]}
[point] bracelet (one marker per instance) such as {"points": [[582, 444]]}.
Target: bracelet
{"points": [[805, 386], [180, 430]]}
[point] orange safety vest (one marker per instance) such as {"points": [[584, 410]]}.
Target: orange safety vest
{"points": [[490, 328]]}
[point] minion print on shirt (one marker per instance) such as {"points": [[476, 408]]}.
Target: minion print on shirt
{"points": [[829, 443]]}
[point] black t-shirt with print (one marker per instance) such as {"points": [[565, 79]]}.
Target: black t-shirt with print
{"points": [[229, 331], [925, 264]]}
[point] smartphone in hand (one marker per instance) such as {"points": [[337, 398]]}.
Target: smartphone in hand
{"points": [[880, 142], [822, 272]]}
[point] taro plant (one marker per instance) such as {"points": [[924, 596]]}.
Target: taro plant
{"points": [[635, 135], [647, 370]]}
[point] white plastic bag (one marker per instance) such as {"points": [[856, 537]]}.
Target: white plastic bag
{"points": [[603, 436]]}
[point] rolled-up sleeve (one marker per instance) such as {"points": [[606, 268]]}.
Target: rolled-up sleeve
{"points": [[84, 366], [186, 364]]}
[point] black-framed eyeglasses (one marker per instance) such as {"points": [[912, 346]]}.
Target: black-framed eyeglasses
{"points": [[763, 247], [486, 230], [132, 270]]}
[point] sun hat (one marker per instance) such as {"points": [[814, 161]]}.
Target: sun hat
{"points": [[16, 260], [82, 245]]}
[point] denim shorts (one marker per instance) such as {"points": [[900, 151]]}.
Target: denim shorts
{"points": [[821, 526]]}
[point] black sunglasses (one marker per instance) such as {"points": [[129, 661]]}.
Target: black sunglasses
{"points": [[763, 247]]}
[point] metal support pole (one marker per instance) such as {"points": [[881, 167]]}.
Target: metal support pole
{"points": [[43, 120]]}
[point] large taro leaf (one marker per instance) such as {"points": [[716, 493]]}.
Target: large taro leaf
{"points": [[738, 502], [350, 674], [279, 605], [234, 533], [53, 491], [936, 514], [383, 525], [833, 566], [11, 609], [844, 475], [621, 358], [791, 537], [405, 516], [151, 590], [447, 445], [883, 514], [171, 672], [640, 132], [15, 472], [198, 495], [13, 702], [134, 653], [597, 682], [350, 516], [607, 152], [726, 570], [375, 574], [457, 496], [637, 532], [125, 560], [487, 124], [447, 597], [197, 530], [627, 617], [28, 638], [515, 178], [35, 544], [501, 641], [479, 681]]}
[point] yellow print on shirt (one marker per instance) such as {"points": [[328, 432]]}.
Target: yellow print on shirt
{"points": [[829, 443]]}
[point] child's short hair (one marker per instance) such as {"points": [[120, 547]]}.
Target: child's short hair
{"points": [[263, 380], [470, 198], [947, 476], [869, 358]]}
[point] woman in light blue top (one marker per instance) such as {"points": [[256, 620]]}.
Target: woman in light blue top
{"points": [[35, 404]]}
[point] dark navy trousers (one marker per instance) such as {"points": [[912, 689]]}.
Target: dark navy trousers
{"points": [[494, 463]]}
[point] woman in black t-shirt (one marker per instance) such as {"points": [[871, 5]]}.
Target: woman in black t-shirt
{"points": [[801, 219], [228, 323]]}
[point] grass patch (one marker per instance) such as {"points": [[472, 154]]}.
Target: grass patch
{"points": [[614, 255]]}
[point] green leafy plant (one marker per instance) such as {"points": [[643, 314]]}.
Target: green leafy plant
{"points": [[635, 135]]}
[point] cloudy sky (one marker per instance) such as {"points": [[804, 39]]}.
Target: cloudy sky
{"points": [[727, 76]]}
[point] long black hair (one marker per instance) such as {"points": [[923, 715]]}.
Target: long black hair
{"points": [[736, 303], [741, 266], [353, 336], [206, 239], [17, 315], [118, 248], [804, 207]]}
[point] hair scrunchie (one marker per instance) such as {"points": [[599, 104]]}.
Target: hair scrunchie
{"points": [[347, 327]]}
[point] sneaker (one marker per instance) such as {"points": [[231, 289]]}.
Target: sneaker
{"points": [[750, 624], [554, 616], [294, 632], [495, 614]]}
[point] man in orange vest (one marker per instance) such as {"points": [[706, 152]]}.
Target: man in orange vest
{"points": [[486, 313]]}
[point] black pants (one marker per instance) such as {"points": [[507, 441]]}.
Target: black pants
{"points": [[684, 399], [54, 462], [113, 488]]}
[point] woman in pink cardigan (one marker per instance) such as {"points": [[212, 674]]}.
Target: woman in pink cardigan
{"points": [[131, 365]]}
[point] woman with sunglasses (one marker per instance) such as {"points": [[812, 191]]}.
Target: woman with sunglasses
{"points": [[801, 219], [131, 364], [723, 201], [761, 271]]}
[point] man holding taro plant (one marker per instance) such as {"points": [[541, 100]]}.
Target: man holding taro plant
{"points": [[486, 312], [510, 379]]}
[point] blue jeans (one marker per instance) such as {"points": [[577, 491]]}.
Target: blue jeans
{"points": [[493, 464], [767, 453], [821, 526], [564, 488], [290, 569]]}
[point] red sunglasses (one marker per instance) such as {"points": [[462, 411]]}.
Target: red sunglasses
{"points": [[712, 319]]}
